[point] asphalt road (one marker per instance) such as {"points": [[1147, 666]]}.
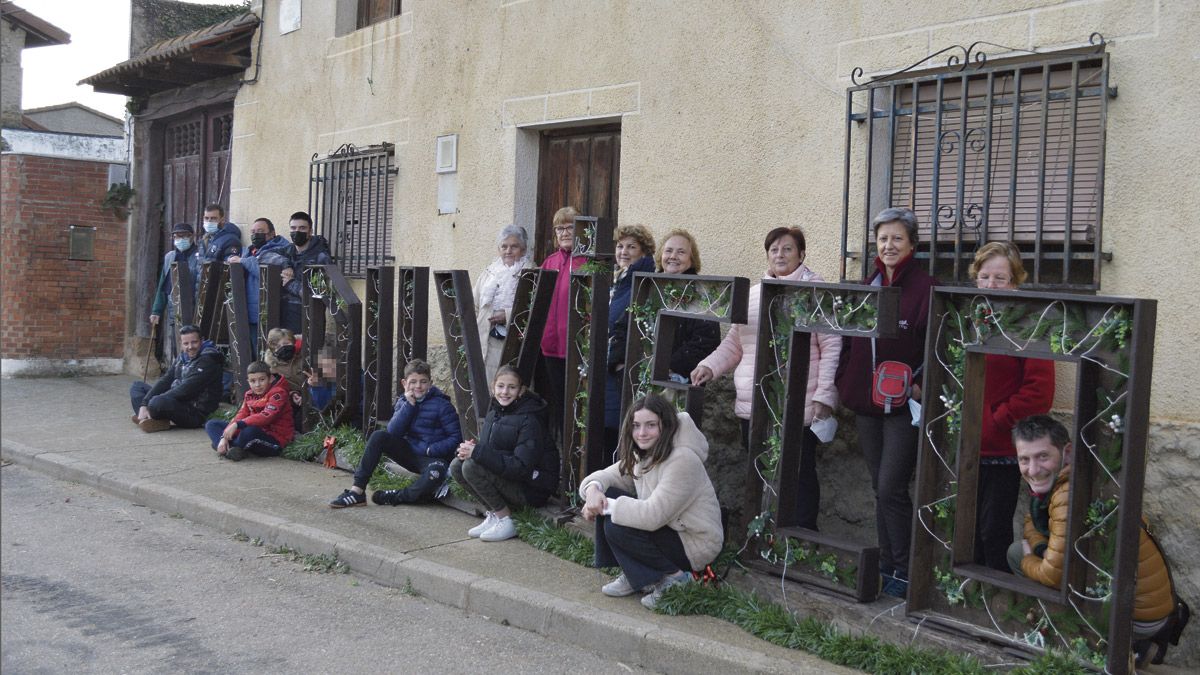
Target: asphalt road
{"points": [[94, 584]]}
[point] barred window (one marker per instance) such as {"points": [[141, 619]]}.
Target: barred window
{"points": [[350, 199], [374, 11], [1007, 151]]}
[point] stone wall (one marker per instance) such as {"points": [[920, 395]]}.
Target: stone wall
{"points": [[12, 41]]}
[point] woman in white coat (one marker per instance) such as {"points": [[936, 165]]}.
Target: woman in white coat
{"points": [[656, 512], [495, 292]]}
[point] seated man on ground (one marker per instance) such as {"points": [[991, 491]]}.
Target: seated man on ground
{"points": [[263, 425], [187, 393], [422, 436], [1044, 457]]}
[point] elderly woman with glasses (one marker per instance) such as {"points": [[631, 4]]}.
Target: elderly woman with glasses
{"points": [[551, 382], [1014, 388], [495, 291]]}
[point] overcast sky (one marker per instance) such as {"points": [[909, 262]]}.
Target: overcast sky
{"points": [[99, 40]]}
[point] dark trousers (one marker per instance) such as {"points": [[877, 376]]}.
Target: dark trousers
{"points": [[644, 556], [808, 494], [164, 407], [889, 444], [253, 440], [431, 471], [551, 384], [490, 489], [999, 490]]}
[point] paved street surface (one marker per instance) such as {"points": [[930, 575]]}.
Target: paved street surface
{"points": [[94, 584]]}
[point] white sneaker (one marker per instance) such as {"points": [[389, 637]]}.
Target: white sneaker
{"points": [[504, 528], [489, 519], [651, 600], [618, 588]]}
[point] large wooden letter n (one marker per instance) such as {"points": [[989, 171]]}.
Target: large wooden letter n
{"points": [[789, 313], [332, 324]]}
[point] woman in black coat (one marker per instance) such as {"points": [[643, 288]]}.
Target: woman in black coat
{"points": [[694, 338], [513, 463]]}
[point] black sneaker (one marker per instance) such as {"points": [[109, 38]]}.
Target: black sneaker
{"points": [[235, 454], [349, 498], [386, 497]]}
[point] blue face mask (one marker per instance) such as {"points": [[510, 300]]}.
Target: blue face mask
{"points": [[183, 243], [211, 227]]}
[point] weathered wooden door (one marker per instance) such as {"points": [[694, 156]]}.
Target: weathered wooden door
{"points": [[195, 166], [580, 168]]}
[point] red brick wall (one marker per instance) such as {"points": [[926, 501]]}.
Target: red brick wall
{"points": [[51, 307]]}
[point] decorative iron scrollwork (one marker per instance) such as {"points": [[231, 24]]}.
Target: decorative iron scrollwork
{"points": [[960, 58]]}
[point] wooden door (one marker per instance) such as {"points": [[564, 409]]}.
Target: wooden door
{"points": [[196, 159], [580, 168]]}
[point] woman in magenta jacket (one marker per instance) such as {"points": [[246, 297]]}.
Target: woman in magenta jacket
{"points": [[889, 440], [553, 374], [1014, 388]]}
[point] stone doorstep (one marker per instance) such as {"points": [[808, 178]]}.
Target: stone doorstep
{"points": [[648, 644]]}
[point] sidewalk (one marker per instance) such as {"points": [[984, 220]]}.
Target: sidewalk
{"points": [[79, 430]]}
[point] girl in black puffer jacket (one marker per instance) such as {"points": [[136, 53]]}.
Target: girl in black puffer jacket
{"points": [[513, 463]]}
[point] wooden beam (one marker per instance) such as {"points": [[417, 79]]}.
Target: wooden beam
{"points": [[221, 59]]}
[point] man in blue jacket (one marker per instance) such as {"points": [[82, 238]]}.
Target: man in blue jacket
{"points": [[422, 436], [306, 249], [187, 393], [266, 248], [183, 250], [220, 239]]}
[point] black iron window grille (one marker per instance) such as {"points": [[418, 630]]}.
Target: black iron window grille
{"points": [[350, 198], [1011, 150]]}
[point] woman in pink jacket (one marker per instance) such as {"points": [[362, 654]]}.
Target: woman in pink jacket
{"points": [[785, 260], [551, 384]]}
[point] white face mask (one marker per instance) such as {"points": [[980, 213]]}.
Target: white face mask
{"points": [[183, 243], [824, 429], [211, 227]]}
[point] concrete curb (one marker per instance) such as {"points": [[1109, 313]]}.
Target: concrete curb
{"points": [[634, 641]]}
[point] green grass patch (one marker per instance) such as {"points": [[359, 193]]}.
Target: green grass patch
{"points": [[545, 535], [775, 624], [224, 412]]}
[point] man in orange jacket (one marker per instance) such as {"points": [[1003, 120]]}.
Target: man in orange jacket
{"points": [[1044, 457]]}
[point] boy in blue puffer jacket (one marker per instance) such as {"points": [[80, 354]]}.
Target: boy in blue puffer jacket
{"points": [[422, 436]]}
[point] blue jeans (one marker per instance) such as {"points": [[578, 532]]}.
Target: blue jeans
{"points": [[431, 471], [252, 439], [644, 556]]}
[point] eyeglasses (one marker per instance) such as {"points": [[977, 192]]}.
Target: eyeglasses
{"points": [[564, 229]]}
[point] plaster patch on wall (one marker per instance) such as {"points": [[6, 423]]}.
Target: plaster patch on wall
{"points": [[399, 135], [574, 104], [391, 29], [60, 367]]}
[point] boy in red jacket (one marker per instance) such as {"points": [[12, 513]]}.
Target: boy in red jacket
{"points": [[263, 425]]}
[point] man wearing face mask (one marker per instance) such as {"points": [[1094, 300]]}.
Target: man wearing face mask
{"points": [[306, 249], [183, 250], [266, 248], [220, 239]]}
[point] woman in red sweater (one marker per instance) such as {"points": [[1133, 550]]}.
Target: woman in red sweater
{"points": [[1014, 388], [551, 382]]}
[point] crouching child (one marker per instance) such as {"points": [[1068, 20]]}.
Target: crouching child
{"points": [[263, 425], [422, 436], [514, 463]]}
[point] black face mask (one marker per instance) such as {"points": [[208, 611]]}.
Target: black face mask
{"points": [[299, 238], [285, 353], [258, 239]]}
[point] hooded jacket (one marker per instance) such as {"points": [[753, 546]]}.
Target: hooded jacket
{"points": [[431, 426], [737, 352], [1047, 536], [196, 382], [554, 338], [514, 444], [218, 246], [276, 251], [272, 411], [675, 493], [856, 370], [317, 253]]}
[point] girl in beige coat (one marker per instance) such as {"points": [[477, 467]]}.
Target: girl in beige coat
{"points": [[657, 515]]}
